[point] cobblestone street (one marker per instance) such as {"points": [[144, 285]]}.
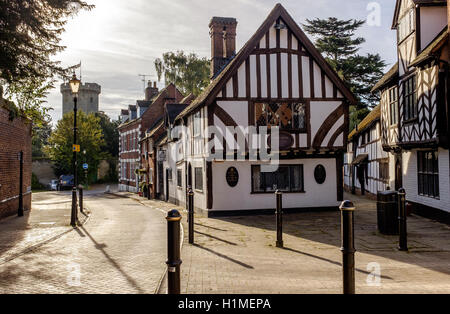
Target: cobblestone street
{"points": [[121, 248]]}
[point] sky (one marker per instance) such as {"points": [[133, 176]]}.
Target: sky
{"points": [[118, 40]]}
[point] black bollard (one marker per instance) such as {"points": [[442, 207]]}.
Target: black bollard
{"points": [[80, 191], [73, 216], [191, 215], [20, 210], [403, 241], [279, 215], [348, 246], [173, 251]]}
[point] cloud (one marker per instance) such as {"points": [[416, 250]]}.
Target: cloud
{"points": [[120, 39]]}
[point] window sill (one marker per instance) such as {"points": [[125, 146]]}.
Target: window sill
{"points": [[437, 198], [199, 191]]}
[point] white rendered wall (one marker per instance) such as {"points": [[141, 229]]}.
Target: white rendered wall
{"points": [[240, 197], [410, 181]]}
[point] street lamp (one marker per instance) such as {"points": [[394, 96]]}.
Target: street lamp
{"points": [[75, 87]]}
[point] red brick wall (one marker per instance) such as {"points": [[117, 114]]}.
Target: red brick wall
{"points": [[15, 136]]}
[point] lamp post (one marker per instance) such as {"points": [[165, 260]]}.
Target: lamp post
{"points": [[75, 87]]}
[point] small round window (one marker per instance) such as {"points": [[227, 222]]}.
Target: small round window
{"points": [[320, 174]]}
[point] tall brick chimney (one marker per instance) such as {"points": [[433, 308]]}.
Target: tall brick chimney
{"points": [[151, 91], [223, 41]]}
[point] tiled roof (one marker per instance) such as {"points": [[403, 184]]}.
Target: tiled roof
{"points": [[143, 103], [173, 110], [373, 116], [391, 74]]}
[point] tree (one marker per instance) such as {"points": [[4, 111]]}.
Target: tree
{"points": [[111, 146], [189, 73], [29, 95], [30, 36], [90, 138], [337, 42], [110, 133], [40, 139]]}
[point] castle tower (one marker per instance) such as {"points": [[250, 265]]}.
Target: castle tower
{"points": [[88, 98]]}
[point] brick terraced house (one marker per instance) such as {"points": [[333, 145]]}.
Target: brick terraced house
{"points": [[135, 122], [15, 137]]}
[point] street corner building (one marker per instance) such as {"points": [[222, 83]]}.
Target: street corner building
{"points": [[278, 79], [15, 148], [414, 115]]}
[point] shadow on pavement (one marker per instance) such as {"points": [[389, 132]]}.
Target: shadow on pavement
{"points": [[224, 256]]}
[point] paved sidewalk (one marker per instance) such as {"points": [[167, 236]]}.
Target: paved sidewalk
{"points": [[238, 255], [120, 250]]}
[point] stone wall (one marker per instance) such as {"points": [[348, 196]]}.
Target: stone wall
{"points": [[44, 171]]}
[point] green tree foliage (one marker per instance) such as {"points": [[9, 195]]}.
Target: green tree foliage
{"points": [[30, 97], [40, 139], [30, 33], [89, 137], [188, 72], [337, 41], [110, 133]]}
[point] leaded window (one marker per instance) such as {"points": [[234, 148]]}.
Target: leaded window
{"points": [[287, 116]]}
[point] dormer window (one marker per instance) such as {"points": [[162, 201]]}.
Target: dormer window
{"points": [[406, 25]]}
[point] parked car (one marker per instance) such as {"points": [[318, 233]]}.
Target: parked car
{"points": [[54, 185], [65, 182]]}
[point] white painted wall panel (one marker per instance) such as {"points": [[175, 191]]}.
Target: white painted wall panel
{"points": [[306, 77], [317, 81], [411, 185], [316, 195], [284, 76], [253, 77], [242, 81], [320, 110], [273, 76], [295, 82], [230, 88], [264, 92]]}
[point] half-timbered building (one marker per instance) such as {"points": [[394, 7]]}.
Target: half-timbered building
{"points": [[415, 109], [366, 164], [278, 79]]}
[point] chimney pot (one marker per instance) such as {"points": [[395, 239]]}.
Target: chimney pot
{"points": [[154, 84]]}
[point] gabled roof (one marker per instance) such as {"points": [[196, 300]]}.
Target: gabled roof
{"points": [[143, 103], [440, 40], [173, 110], [209, 94], [188, 99], [398, 5], [389, 76], [366, 123]]}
